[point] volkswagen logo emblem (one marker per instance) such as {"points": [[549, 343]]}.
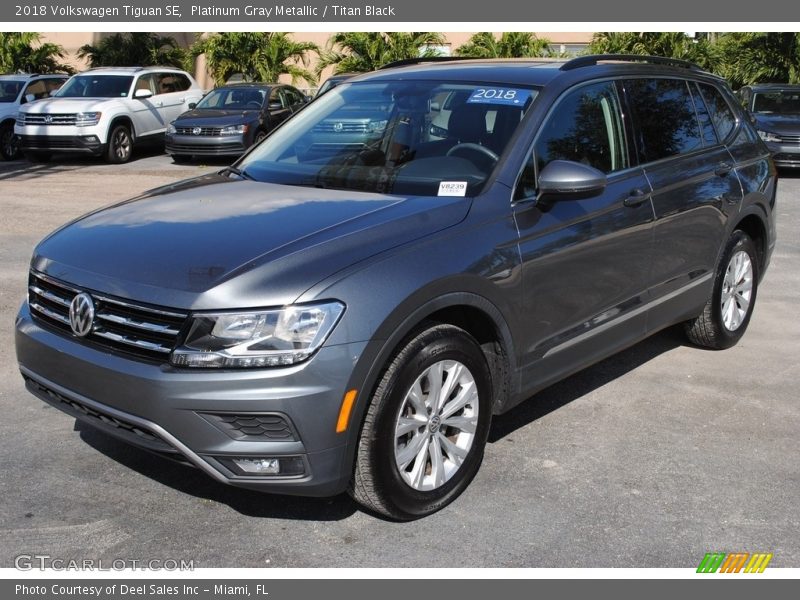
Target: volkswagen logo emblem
{"points": [[48, 119], [197, 130], [81, 314], [338, 126]]}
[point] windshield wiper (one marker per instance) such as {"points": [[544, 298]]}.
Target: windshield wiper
{"points": [[238, 173]]}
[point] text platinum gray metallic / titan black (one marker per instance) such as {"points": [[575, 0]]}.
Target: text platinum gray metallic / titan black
{"points": [[347, 313]]}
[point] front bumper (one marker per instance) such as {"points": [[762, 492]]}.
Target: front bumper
{"points": [[167, 410], [228, 145], [785, 154], [84, 144]]}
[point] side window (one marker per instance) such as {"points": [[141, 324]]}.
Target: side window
{"points": [[585, 127], [706, 125], [664, 118], [145, 82], [37, 89], [53, 85], [277, 96], [295, 96], [166, 83], [721, 113], [182, 82]]}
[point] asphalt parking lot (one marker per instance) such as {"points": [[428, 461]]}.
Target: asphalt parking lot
{"points": [[649, 459]]}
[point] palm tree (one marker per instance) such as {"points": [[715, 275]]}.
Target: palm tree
{"points": [[760, 57], [137, 49], [25, 52], [361, 51], [258, 56], [668, 44], [511, 44]]}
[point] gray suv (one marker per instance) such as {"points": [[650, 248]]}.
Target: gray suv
{"points": [[350, 318]]}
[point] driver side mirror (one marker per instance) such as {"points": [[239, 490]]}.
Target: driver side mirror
{"points": [[565, 177], [275, 105], [29, 97], [192, 105], [142, 94]]}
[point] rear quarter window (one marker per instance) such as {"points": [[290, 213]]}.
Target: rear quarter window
{"points": [[721, 113]]}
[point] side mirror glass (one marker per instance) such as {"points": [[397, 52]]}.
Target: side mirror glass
{"points": [[142, 94]]}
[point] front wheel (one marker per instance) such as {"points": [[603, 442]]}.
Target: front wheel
{"points": [[727, 313], [9, 142], [425, 430], [120, 145]]}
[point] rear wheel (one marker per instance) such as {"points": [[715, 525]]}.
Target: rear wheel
{"points": [[727, 313], [9, 142], [425, 431], [120, 145]]}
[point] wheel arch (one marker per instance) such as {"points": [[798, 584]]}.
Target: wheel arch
{"points": [[753, 223], [121, 120]]}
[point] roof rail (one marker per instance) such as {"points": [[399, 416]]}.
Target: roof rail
{"points": [[593, 59], [423, 59]]}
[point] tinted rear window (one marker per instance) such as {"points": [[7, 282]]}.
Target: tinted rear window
{"points": [[664, 116]]}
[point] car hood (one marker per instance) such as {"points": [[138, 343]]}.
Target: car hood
{"points": [[215, 242], [67, 105], [786, 124], [214, 118]]}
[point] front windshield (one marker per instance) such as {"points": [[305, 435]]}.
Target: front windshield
{"points": [[782, 102], [233, 99], [96, 86], [397, 137], [9, 90]]}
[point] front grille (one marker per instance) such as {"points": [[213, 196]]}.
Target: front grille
{"points": [[253, 427], [790, 139], [209, 131], [46, 119], [786, 157], [99, 419], [146, 332], [205, 148], [342, 127]]}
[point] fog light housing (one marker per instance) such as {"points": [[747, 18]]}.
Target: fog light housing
{"points": [[91, 139], [260, 466]]}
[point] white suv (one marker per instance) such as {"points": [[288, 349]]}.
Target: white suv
{"points": [[106, 111], [16, 90]]}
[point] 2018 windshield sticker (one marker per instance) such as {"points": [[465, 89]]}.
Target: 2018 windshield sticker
{"points": [[452, 188], [506, 96]]}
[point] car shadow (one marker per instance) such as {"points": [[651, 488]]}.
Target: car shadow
{"points": [[584, 382], [190, 480]]}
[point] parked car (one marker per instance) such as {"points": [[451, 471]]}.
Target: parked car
{"points": [[332, 81], [775, 108], [106, 112], [352, 319], [231, 118], [17, 90]]}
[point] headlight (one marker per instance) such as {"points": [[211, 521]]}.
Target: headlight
{"points": [[233, 130], [171, 128], [86, 119], [377, 126], [257, 339], [768, 136]]}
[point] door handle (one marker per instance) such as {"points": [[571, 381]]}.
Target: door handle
{"points": [[637, 198], [722, 169]]}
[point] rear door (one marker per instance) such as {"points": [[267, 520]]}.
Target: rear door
{"points": [[694, 190], [173, 95], [278, 107], [585, 260]]}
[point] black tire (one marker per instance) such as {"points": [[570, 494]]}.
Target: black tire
{"points": [[260, 135], [377, 482], [709, 329], [9, 142], [181, 158], [38, 157], [119, 147]]}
